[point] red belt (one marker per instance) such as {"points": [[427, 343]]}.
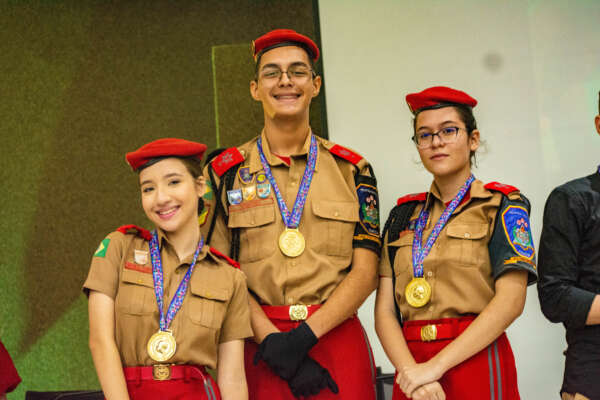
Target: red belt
{"points": [[426, 331], [296, 312], [162, 372]]}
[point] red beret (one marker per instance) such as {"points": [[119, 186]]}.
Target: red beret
{"points": [[164, 148], [287, 37], [434, 96]]}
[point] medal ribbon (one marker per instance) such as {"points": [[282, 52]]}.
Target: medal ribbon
{"points": [[157, 275], [419, 252], [292, 219]]}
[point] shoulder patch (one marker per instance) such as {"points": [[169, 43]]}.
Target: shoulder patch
{"points": [[501, 187], [231, 261], [134, 229], [420, 197], [227, 159], [346, 154], [101, 250], [517, 229]]}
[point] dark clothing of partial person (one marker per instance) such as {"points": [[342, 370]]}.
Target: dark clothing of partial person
{"points": [[569, 270]]}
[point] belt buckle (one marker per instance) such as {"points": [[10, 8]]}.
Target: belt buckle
{"points": [[428, 333], [298, 312], [161, 372]]}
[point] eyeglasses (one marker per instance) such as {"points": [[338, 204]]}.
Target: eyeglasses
{"points": [[424, 140], [294, 72]]}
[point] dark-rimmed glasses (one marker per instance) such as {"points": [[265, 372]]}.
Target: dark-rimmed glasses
{"points": [[294, 72], [448, 134]]}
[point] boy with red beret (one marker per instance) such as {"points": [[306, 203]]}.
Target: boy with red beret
{"points": [[300, 213]]}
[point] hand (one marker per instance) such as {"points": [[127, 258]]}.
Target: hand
{"points": [[310, 379], [429, 391], [284, 351], [411, 377]]}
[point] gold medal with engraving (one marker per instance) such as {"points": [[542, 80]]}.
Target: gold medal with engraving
{"points": [[291, 242], [418, 292], [161, 346]]}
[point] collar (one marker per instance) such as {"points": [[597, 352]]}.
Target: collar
{"points": [[163, 239], [255, 164], [477, 191]]}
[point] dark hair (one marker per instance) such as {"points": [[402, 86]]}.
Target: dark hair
{"points": [[311, 63], [192, 164], [466, 116]]}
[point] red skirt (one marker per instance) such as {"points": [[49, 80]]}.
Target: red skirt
{"points": [[187, 382], [490, 374], [345, 352]]}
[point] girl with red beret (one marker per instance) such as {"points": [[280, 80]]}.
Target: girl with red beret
{"points": [[455, 265], [162, 305]]}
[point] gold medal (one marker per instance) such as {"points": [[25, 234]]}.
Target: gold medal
{"points": [[418, 292], [291, 242], [161, 346]]}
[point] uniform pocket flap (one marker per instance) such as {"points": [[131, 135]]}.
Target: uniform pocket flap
{"points": [[137, 278], [212, 293], [337, 210], [251, 214], [467, 231]]}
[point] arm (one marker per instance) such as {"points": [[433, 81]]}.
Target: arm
{"points": [[349, 295], [103, 347], [392, 339], [561, 300], [506, 305], [231, 376], [261, 324]]}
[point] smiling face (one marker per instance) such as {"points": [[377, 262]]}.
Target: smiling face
{"points": [[285, 97], [446, 159], [170, 195]]}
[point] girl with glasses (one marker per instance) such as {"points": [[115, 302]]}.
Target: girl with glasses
{"points": [[455, 265]]}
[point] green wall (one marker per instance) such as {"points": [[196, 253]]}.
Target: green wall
{"points": [[82, 83]]}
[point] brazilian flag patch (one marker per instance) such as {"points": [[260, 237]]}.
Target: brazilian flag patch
{"points": [[208, 195], [101, 251]]}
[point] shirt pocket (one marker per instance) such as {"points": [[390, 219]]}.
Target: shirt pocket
{"points": [[403, 248], [256, 221], [333, 229], [466, 244], [207, 305], [136, 293]]}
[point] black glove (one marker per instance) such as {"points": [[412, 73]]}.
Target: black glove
{"points": [[310, 379], [284, 351]]}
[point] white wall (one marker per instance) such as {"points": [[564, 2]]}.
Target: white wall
{"points": [[533, 65]]}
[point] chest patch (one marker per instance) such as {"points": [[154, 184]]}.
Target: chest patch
{"points": [[140, 268], [517, 228]]}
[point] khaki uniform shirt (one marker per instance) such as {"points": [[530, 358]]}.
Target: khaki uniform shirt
{"points": [[214, 310], [459, 267], [328, 223]]}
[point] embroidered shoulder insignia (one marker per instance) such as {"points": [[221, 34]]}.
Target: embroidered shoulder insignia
{"points": [[501, 187], [231, 261], [346, 154], [515, 221], [420, 197], [141, 232], [227, 159]]}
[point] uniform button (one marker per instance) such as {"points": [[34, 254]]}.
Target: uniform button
{"points": [[293, 263], [430, 308], [429, 274], [139, 281], [467, 235], [293, 183], [252, 222], [243, 153], [336, 214], [291, 300]]}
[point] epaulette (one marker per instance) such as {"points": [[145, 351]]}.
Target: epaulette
{"points": [[226, 160], [346, 154], [134, 229], [501, 187], [412, 197], [224, 257]]}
